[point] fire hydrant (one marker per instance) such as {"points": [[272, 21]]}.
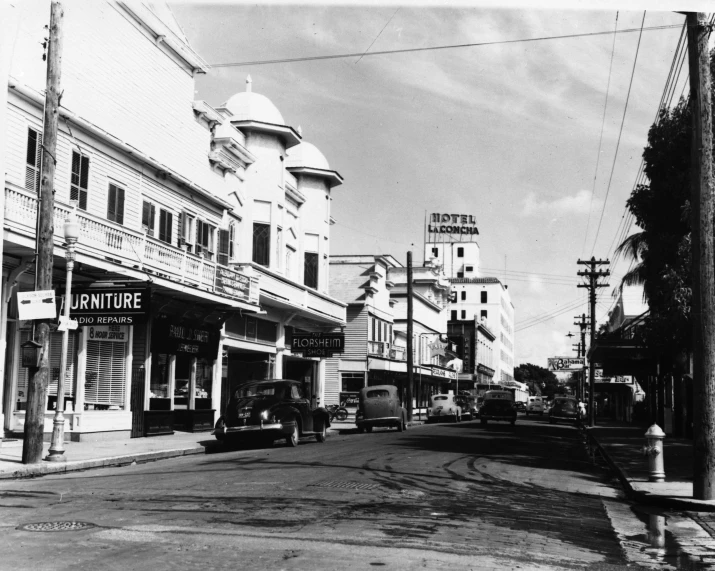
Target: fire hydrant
{"points": [[653, 450]]}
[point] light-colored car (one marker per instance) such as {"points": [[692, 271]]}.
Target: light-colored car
{"points": [[444, 407], [535, 405]]}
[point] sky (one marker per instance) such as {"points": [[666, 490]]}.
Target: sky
{"points": [[540, 140]]}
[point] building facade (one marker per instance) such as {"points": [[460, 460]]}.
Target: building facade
{"points": [[181, 282]]}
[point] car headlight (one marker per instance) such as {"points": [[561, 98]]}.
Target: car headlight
{"points": [[264, 415]]}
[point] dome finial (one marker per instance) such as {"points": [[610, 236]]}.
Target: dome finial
{"points": [[249, 81]]}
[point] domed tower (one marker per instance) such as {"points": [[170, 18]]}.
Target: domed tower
{"points": [[315, 180]]}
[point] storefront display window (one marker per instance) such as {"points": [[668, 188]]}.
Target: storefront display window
{"points": [[181, 384], [105, 376], [204, 374], [352, 382]]}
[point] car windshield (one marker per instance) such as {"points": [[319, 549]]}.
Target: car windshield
{"points": [[439, 398], [259, 391], [565, 404], [378, 394]]}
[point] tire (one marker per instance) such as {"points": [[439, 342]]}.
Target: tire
{"points": [[322, 433], [484, 422], [341, 414], [361, 429], [401, 426], [552, 421], [513, 422], [368, 429], [294, 436], [527, 413]]}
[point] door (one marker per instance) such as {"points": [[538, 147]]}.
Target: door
{"points": [[136, 402]]}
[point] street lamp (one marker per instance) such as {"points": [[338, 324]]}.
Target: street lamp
{"points": [[71, 231]]}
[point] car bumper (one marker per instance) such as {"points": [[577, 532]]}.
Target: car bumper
{"points": [[570, 418], [253, 428], [497, 417], [382, 421]]}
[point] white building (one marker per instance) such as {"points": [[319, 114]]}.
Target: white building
{"points": [[198, 211]]}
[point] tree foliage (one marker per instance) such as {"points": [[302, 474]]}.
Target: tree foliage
{"points": [[541, 381]]}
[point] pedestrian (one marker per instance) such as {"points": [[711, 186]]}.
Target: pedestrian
{"points": [[581, 408]]}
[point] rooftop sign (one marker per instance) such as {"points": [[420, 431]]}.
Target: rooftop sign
{"points": [[452, 224]]}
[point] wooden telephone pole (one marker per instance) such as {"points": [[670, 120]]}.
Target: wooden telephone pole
{"points": [[39, 376], [592, 286], [703, 249], [407, 393]]}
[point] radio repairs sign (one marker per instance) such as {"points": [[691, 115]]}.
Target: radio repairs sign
{"points": [[317, 344], [110, 306], [566, 363]]}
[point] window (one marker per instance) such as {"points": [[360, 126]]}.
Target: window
{"points": [[453, 297], [460, 252], [105, 376], [290, 254], [223, 246], [187, 233], [464, 296], [80, 179], [148, 217], [34, 160], [115, 204], [165, 225], [484, 297], [373, 336], [454, 315], [310, 275], [205, 238], [460, 274], [469, 269], [435, 252], [464, 314], [279, 246], [483, 314], [261, 243], [352, 382]]}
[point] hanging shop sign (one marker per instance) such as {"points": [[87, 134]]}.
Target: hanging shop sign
{"points": [[110, 306], [566, 363], [192, 338], [444, 373], [452, 224], [317, 344], [232, 284]]}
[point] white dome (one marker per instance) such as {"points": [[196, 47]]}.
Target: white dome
{"points": [[307, 155], [249, 106]]}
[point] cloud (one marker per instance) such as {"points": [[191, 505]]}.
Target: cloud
{"points": [[580, 203]]}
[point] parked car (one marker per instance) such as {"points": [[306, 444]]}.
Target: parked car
{"points": [[535, 405], [498, 405], [380, 406], [444, 407], [564, 409], [270, 410], [468, 405]]}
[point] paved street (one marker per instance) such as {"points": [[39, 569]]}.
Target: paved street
{"points": [[455, 496]]}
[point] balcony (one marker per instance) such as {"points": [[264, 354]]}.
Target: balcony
{"points": [[378, 349], [112, 242]]}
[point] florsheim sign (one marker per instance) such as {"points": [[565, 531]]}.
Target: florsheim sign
{"points": [[317, 344]]}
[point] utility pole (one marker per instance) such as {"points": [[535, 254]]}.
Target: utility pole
{"points": [[593, 274], [407, 392], [39, 376], [583, 324], [703, 270]]}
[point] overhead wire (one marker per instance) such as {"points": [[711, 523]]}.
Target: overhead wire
{"points": [[435, 48]]}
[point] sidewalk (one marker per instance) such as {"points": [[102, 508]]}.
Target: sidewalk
{"points": [[621, 445], [87, 455]]}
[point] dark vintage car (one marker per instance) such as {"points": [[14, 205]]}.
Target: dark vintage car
{"points": [[498, 405], [468, 405], [564, 409], [380, 406], [270, 410]]}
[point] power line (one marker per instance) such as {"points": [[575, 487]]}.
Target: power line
{"points": [[435, 48], [620, 132], [600, 139]]}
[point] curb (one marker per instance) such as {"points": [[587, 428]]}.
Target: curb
{"points": [[645, 497], [37, 470]]}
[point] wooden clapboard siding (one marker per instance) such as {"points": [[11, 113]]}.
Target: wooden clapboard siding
{"points": [[356, 332], [332, 381]]}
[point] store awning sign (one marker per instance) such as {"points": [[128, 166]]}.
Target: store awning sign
{"points": [[444, 373], [232, 284], [317, 344], [110, 306]]}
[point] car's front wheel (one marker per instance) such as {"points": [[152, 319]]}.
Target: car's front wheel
{"points": [[322, 433], [294, 436], [484, 422]]}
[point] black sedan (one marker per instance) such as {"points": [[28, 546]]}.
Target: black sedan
{"points": [[270, 410], [497, 409], [564, 409]]}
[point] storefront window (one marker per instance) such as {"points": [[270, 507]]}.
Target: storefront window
{"points": [[105, 376], [181, 384], [204, 372], [352, 382]]}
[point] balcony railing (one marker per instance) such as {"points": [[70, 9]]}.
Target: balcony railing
{"points": [[378, 348], [398, 353], [106, 240]]}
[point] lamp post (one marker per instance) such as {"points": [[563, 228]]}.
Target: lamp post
{"points": [[71, 231]]}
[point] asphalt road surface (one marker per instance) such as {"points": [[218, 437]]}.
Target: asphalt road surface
{"points": [[446, 496]]}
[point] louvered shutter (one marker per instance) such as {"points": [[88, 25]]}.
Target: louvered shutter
{"points": [[120, 205], [112, 203], [105, 381], [83, 182], [55, 354], [33, 160], [223, 246], [148, 213], [74, 183], [23, 377], [180, 229]]}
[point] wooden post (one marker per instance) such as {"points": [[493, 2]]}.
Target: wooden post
{"points": [[407, 393], [703, 273], [39, 377]]}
